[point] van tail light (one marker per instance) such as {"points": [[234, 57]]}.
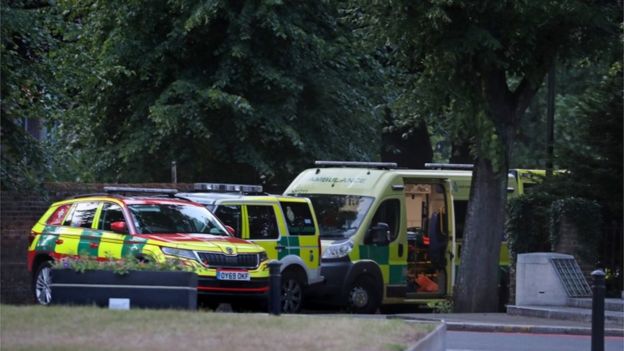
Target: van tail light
{"points": [[320, 253], [31, 238]]}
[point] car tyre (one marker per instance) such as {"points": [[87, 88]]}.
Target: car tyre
{"points": [[363, 297], [42, 279], [292, 292]]}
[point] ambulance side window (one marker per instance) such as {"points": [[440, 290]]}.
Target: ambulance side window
{"points": [[230, 215], [262, 222], [298, 218], [68, 218], [110, 213], [83, 214], [389, 212]]}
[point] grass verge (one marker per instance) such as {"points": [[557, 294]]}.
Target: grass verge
{"points": [[92, 328]]}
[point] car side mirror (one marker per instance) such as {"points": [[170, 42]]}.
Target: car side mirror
{"points": [[230, 230], [119, 227], [379, 234]]}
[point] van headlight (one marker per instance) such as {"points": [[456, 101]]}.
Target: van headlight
{"points": [[188, 254], [338, 250], [262, 256]]}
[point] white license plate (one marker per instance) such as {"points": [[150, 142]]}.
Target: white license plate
{"points": [[232, 275]]}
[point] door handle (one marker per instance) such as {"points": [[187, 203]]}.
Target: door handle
{"points": [[400, 250], [59, 241]]}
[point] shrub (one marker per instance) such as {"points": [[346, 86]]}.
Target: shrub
{"points": [[528, 223], [119, 266]]}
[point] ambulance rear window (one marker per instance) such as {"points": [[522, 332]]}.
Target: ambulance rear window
{"points": [[57, 217], [298, 218]]}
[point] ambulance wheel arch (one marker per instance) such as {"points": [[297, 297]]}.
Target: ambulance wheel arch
{"points": [[363, 289], [293, 262]]}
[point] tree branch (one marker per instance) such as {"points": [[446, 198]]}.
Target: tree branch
{"points": [[33, 5], [532, 81]]}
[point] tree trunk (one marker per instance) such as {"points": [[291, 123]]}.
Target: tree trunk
{"points": [[476, 289]]}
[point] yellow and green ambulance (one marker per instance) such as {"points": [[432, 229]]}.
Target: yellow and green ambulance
{"points": [[387, 234], [115, 226], [284, 226]]}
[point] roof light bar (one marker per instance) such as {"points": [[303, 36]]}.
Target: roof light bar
{"points": [[380, 165], [121, 189], [466, 166], [228, 188]]}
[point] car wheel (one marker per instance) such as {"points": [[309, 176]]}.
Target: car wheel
{"points": [[292, 292], [363, 297], [41, 284]]}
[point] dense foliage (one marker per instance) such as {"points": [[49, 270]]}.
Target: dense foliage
{"points": [[528, 223], [231, 90], [594, 159], [28, 89]]}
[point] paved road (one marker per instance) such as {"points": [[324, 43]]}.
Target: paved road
{"points": [[476, 341]]}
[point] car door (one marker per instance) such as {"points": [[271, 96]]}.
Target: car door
{"points": [[112, 245], [390, 253], [77, 236], [261, 227], [303, 235]]}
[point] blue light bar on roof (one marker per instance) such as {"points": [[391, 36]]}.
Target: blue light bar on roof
{"points": [[228, 188]]}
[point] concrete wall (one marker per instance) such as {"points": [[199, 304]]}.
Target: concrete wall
{"points": [[537, 282], [18, 213]]}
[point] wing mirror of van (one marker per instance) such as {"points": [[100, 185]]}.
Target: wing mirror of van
{"points": [[379, 234], [119, 227]]}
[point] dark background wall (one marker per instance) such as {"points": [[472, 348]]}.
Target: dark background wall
{"points": [[18, 213]]}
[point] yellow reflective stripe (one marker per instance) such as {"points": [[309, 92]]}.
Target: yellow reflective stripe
{"points": [[42, 221], [34, 243], [355, 253], [70, 237], [281, 221], [111, 245], [96, 218], [308, 241], [270, 247], [38, 228], [308, 248], [385, 272], [245, 223]]}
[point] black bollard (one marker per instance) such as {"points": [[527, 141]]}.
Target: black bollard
{"points": [[275, 288], [598, 307]]}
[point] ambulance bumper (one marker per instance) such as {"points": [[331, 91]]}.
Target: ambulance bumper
{"points": [[331, 290], [252, 288]]}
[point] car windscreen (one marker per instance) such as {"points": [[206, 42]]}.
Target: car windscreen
{"points": [[175, 218], [339, 216]]}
